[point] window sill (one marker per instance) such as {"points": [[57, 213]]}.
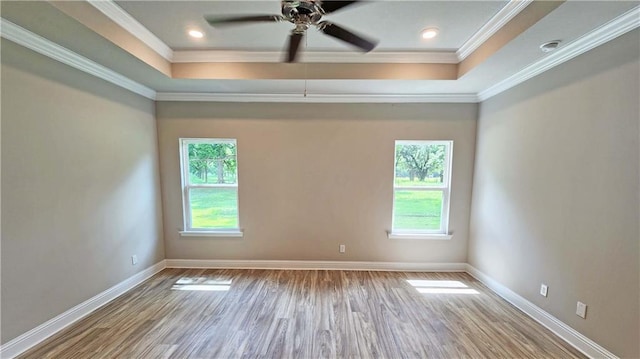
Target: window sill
{"points": [[228, 234], [430, 236]]}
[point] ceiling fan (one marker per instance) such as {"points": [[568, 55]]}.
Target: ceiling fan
{"points": [[303, 14]]}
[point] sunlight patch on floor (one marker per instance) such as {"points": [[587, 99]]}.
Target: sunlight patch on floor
{"points": [[441, 287], [202, 284]]}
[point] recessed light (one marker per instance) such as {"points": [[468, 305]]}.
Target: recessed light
{"points": [[430, 32], [550, 46], [195, 33]]}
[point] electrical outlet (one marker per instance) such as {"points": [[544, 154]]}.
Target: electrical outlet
{"points": [[134, 259], [581, 310], [343, 248], [543, 289]]}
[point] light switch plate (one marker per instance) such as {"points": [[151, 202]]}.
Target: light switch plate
{"points": [[581, 310], [543, 290]]}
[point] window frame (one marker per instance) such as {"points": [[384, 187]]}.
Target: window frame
{"points": [[186, 187], [445, 188]]}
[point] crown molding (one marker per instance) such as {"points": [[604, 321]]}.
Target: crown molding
{"points": [[437, 57], [607, 32], [39, 44], [130, 24], [508, 12], [43, 46], [225, 56], [317, 98]]}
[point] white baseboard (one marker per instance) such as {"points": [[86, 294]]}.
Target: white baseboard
{"points": [[36, 335], [587, 346], [323, 265]]}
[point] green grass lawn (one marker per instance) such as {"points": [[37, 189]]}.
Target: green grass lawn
{"points": [[214, 208], [404, 181], [417, 210]]}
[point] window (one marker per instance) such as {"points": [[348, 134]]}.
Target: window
{"points": [[421, 189], [210, 186]]}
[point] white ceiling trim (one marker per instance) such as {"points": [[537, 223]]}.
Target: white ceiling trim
{"points": [[130, 24], [37, 43], [318, 98], [513, 8], [607, 32], [324, 57]]}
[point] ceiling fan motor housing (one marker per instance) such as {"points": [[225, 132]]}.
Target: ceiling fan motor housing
{"points": [[302, 12]]}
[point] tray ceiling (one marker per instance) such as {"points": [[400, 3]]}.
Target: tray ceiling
{"points": [[483, 47]]}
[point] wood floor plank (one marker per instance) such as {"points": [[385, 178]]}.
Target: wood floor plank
{"points": [[199, 313]]}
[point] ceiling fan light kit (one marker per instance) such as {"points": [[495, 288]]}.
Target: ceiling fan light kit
{"points": [[303, 14]]}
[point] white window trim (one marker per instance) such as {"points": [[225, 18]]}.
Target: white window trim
{"points": [[186, 187], [214, 233], [413, 235], [443, 232]]}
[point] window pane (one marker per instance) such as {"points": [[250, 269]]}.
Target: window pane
{"points": [[417, 210], [212, 163], [420, 165], [214, 207]]}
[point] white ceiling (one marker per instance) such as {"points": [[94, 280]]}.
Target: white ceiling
{"points": [[395, 23]]}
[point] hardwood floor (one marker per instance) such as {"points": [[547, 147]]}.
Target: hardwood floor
{"points": [[182, 313]]}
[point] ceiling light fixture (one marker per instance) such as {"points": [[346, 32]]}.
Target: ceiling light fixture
{"points": [[430, 32], [195, 33], [550, 46]]}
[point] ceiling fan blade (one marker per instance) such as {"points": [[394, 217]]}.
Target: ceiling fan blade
{"points": [[331, 6], [347, 36], [294, 44], [237, 20]]}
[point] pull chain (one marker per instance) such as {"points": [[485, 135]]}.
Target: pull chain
{"points": [[305, 67]]}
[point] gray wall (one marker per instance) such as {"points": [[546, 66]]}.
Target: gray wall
{"points": [[80, 188], [313, 176], [555, 196]]}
